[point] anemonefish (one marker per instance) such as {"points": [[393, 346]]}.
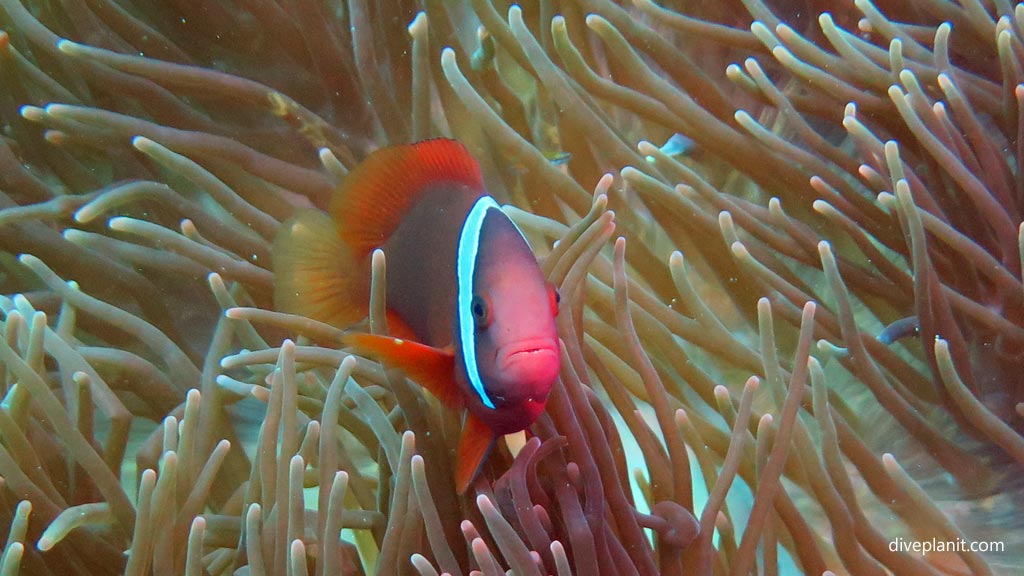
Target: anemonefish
{"points": [[472, 317]]}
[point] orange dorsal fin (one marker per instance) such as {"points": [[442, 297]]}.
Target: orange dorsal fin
{"points": [[370, 203], [316, 274], [433, 368], [474, 444]]}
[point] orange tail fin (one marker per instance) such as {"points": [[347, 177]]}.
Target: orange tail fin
{"points": [[316, 274]]}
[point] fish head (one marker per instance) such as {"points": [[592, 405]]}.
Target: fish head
{"points": [[507, 340]]}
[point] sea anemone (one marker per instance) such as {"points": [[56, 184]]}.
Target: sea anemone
{"points": [[792, 334]]}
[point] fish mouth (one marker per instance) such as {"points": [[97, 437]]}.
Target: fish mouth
{"points": [[539, 350]]}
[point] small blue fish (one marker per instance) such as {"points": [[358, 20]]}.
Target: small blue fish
{"points": [[676, 145]]}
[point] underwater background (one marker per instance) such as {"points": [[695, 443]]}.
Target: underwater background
{"points": [[787, 238]]}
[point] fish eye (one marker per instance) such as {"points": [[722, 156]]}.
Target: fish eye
{"points": [[481, 311]]}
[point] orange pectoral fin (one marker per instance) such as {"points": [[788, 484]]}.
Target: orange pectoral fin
{"points": [[432, 368], [398, 328], [474, 444]]}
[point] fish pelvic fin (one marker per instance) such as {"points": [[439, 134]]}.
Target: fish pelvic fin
{"points": [[318, 275], [370, 203], [474, 445], [433, 368]]}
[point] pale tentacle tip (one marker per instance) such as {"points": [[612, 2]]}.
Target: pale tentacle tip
{"points": [[119, 223], [419, 22], [141, 143], [515, 442], [32, 113], [69, 47]]}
